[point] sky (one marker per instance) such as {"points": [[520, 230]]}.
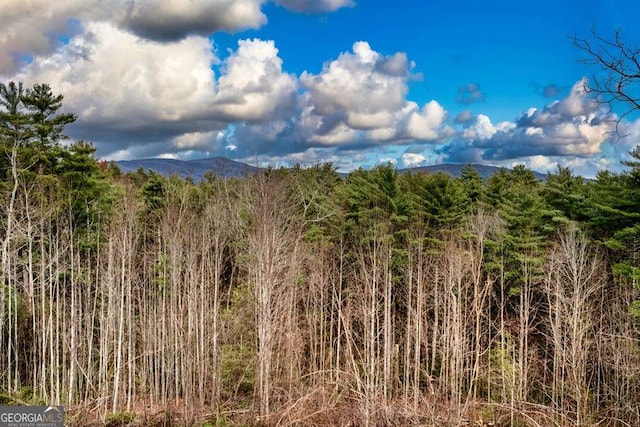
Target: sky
{"points": [[352, 82]]}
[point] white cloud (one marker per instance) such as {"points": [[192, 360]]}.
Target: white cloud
{"points": [[381, 134], [631, 135], [253, 86], [202, 141], [576, 107], [385, 160], [531, 131], [360, 97], [425, 124], [32, 27], [36, 27], [541, 163], [110, 76], [586, 167], [340, 135], [139, 75], [481, 129], [343, 161], [172, 156], [127, 90], [410, 160], [506, 127], [572, 126], [351, 84]]}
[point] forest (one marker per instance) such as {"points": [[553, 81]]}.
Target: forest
{"points": [[297, 297]]}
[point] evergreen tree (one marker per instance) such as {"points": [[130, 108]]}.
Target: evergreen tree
{"points": [[611, 204], [440, 201], [473, 185], [84, 185], [565, 194], [43, 107], [31, 124]]}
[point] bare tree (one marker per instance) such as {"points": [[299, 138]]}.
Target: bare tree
{"points": [[575, 277], [618, 79], [273, 233]]}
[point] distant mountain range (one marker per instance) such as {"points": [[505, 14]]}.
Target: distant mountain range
{"points": [[455, 170], [227, 168], [196, 169]]}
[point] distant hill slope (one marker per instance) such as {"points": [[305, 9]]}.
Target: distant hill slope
{"points": [[196, 169], [455, 170], [227, 168]]}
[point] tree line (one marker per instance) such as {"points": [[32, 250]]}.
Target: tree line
{"points": [[295, 296]]}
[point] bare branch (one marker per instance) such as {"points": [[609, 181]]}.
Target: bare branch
{"points": [[618, 79]]}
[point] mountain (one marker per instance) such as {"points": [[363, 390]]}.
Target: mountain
{"points": [[227, 168], [196, 169], [455, 170]]}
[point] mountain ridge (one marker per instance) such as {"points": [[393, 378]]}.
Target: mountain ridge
{"points": [[226, 168], [195, 169]]}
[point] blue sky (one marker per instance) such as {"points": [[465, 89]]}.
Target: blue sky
{"points": [[353, 82]]}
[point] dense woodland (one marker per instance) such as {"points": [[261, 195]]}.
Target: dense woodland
{"points": [[294, 296]]}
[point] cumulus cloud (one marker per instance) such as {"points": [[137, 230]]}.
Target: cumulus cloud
{"points": [[355, 84], [131, 91], [142, 89], [360, 97], [112, 78], [167, 20], [39, 27], [145, 79], [410, 160], [357, 101], [482, 128], [33, 28], [201, 141], [253, 86], [127, 90], [541, 163], [424, 124], [573, 126], [586, 167], [343, 161], [314, 6]]}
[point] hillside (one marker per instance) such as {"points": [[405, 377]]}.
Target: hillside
{"points": [[228, 168], [196, 169], [455, 170]]}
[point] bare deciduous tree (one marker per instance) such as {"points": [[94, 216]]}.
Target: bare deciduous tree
{"points": [[273, 233], [618, 79], [575, 277]]}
